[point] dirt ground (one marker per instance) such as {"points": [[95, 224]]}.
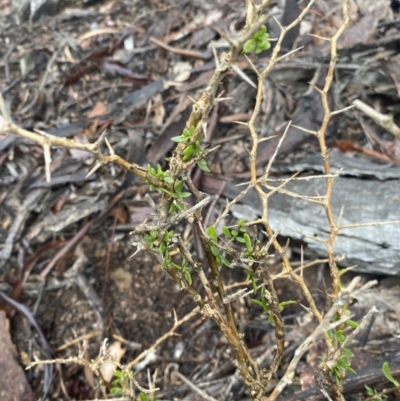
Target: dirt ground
{"points": [[130, 67]]}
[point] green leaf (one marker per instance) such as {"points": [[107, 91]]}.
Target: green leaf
{"points": [[179, 138], [163, 247], [203, 166], [249, 46], [340, 336], [241, 222], [261, 46], [254, 285], [212, 233], [151, 170], [168, 192], [175, 266], [226, 231], [188, 277], [215, 250], [240, 239], [149, 243], [188, 132], [347, 353], [188, 152], [116, 390], [218, 260], [257, 302], [179, 205], [260, 33], [185, 194], [370, 391], [167, 236], [258, 42], [351, 323], [247, 241], [234, 233], [388, 374], [168, 179], [143, 397], [178, 186], [225, 261], [285, 303]]}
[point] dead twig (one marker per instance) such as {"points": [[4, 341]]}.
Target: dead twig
{"points": [[384, 120]]}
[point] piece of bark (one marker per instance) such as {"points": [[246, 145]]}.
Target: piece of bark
{"points": [[373, 249], [52, 223], [135, 100]]}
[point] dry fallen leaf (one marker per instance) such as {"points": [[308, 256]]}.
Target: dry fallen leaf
{"points": [[98, 110], [107, 368], [120, 214], [181, 71]]}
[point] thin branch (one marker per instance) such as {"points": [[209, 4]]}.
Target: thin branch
{"points": [[384, 120]]}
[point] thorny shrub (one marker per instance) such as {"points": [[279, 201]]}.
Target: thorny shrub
{"points": [[232, 247]]}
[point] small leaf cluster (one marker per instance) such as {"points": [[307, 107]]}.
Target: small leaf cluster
{"points": [[258, 42], [343, 362], [215, 250], [121, 382], [184, 269], [177, 194], [186, 136], [373, 392], [152, 241], [240, 235], [266, 306], [163, 248], [194, 147], [159, 174]]}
